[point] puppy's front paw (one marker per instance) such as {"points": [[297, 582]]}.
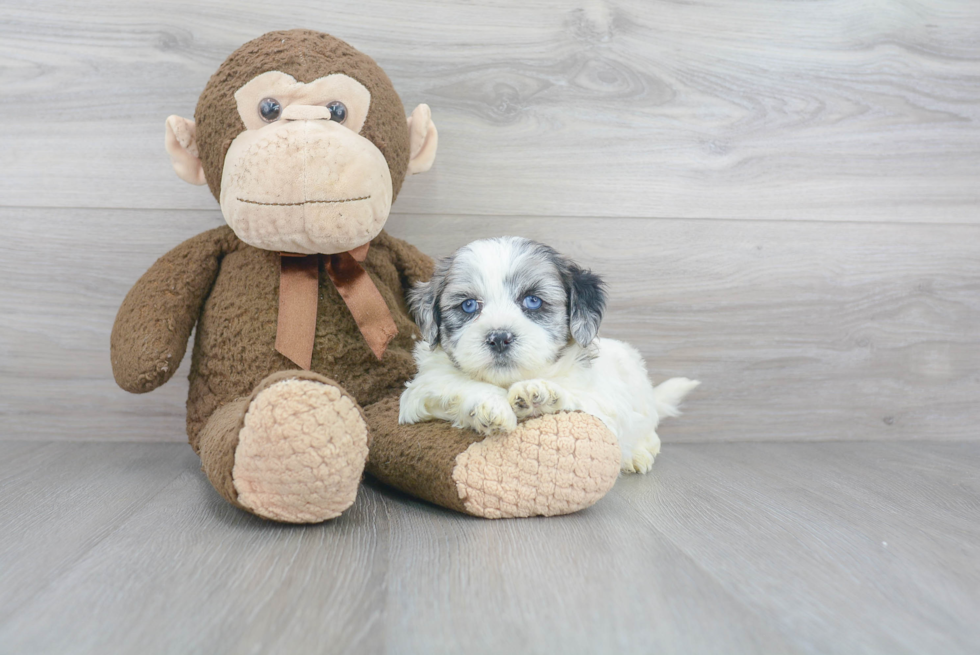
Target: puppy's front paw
{"points": [[535, 397], [491, 415]]}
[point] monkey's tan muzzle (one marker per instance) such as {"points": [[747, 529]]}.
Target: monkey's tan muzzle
{"points": [[305, 185]]}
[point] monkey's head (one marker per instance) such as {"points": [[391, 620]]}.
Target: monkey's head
{"points": [[303, 141]]}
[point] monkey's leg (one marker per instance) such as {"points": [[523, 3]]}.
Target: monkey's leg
{"points": [[550, 465], [294, 451]]}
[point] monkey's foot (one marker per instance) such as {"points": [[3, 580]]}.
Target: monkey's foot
{"points": [[554, 464], [300, 453]]}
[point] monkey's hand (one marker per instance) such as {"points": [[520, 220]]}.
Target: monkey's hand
{"points": [[150, 334]]}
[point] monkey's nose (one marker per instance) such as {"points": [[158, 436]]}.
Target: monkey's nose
{"points": [[305, 113], [499, 340]]}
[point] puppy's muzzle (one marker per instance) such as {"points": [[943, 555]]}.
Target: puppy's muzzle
{"points": [[499, 341]]}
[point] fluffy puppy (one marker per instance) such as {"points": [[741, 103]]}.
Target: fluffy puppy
{"points": [[509, 332]]}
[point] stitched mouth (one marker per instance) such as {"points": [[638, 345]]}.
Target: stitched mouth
{"points": [[305, 202]]}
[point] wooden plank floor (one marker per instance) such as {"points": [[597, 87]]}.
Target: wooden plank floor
{"points": [[723, 548]]}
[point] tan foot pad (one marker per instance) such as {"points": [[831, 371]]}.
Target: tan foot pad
{"points": [[554, 464], [301, 452]]}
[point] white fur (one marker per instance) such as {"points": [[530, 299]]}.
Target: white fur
{"points": [[544, 371], [613, 386]]}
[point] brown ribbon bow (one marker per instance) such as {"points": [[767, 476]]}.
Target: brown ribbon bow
{"points": [[299, 287]]}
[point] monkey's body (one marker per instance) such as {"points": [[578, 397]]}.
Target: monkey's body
{"points": [[234, 344], [290, 444]]}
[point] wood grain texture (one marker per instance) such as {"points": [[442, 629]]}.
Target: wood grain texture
{"points": [[57, 308], [734, 548], [57, 502], [798, 330], [832, 110], [878, 528], [589, 582], [189, 573]]}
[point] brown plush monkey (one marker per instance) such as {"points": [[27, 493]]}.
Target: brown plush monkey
{"points": [[303, 340]]}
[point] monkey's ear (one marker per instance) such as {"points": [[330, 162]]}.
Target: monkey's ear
{"points": [[423, 140], [181, 144]]}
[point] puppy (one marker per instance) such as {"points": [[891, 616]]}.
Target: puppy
{"points": [[509, 332]]}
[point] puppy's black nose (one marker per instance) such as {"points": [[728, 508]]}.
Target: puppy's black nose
{"points": [[499, 340]]}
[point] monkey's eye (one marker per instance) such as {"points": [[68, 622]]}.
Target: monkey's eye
{"points": [[338, 111], [470, 305], [270, 109], [531, 302]]}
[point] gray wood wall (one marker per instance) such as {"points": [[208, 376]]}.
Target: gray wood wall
{"points": [[784, 196]]}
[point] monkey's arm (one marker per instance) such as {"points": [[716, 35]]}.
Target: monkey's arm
{"points": [[413, 265], [155, 320]]}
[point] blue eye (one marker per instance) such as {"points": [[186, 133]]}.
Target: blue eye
{"points": [[469, 306], [531, 302]]}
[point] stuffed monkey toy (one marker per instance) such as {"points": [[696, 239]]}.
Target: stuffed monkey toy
{"points": [[304, 341]]}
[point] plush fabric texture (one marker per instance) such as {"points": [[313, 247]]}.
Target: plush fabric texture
{"points": [[554, 464], [300, 452], [216, 445], [418, 459], [306, 55], [287, 444], [232, 288], [153, 324], [550, 465]]}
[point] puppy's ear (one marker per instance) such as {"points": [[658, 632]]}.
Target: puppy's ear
{"points": [[423, 302], [586, 302]]}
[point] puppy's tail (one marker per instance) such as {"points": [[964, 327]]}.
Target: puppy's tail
{"points": [[668, 395]]}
